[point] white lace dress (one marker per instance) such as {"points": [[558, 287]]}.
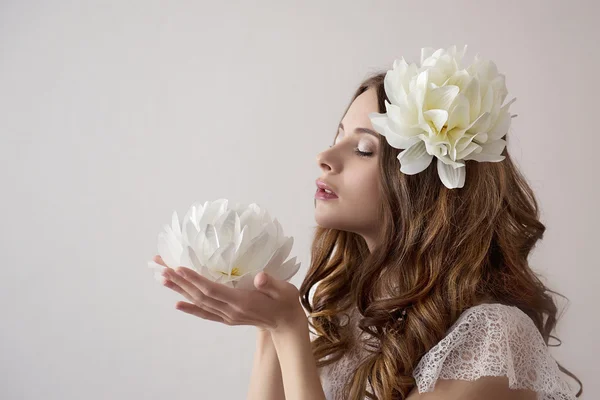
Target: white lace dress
{"points": [[486, 340]]}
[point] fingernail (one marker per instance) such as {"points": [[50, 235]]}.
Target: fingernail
{"points": [[262, 279]]}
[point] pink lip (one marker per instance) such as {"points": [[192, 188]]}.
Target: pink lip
{"points": [[323, 195], [322, 185]]}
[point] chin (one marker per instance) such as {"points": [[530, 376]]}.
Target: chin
{"points": [[328, 219], [325, 220]]}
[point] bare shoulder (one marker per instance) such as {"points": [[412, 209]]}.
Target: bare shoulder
{"points": [[486, 387]]}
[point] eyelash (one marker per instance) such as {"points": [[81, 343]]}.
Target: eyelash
{"points": [[360, 153]]}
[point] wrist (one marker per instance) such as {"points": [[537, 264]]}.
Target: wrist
{"points": [[262, 331], [264, 341], [297, 323], [263, 336]]}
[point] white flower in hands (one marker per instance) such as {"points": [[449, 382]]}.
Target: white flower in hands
{"points": [[441, 110], [227, 245]]}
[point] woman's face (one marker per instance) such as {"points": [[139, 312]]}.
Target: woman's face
{"points": [[352, 176]]}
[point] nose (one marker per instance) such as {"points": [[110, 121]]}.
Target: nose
{"points": [[323, 160]]}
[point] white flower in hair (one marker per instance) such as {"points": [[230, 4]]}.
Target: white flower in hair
{"points": [[441, 109], [229, 245]]}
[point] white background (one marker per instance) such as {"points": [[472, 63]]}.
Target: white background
{"points": [[114, 114]]}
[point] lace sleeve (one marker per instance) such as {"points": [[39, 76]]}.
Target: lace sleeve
{"points": [[494, 340]]}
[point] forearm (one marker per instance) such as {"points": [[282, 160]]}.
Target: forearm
{"points": [[266, 382], [298, 367]]}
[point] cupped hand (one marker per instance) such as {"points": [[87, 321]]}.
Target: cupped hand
{"points": [[273, 306]]}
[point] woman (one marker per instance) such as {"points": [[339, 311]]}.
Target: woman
{"points": [[424, 289]]}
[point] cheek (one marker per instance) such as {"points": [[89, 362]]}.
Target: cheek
{"points": [[364, 186], [366, 180], [358, 206]]}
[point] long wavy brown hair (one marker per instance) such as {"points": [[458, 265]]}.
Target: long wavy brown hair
{"points": [[440, 251]]}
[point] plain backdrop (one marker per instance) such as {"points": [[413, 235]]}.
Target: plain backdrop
{"points": [[114, 114]]}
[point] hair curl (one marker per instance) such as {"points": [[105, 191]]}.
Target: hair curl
{"points": [[440, 252]]}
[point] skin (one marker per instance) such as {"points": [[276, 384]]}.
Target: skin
{"points": [[273, 307], [354, 178]]}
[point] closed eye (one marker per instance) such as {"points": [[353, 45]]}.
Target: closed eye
{"points": [[361, 153]]}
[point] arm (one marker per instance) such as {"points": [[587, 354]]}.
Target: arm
{"points": [[298, 367], [274, 307], [266, 382]]}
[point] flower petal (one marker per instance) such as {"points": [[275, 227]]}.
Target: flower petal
{"points": [[481, 138], [169, 249], [466, 150], [286, 271], [459, 78], [379, 122], [500, 127], [490, 152], [437, 117], [404, 138], [426, 52], [472, 94], [458, 115], [279, 256], [414, 159], [487, 102], [442, 97], [451, 177], [175, 226], [481, 124]]}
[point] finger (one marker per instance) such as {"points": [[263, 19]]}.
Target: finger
{"points": [[199, 312], [272, 287], [198, 297], [158, 259], [175, 287], [212, 289]]}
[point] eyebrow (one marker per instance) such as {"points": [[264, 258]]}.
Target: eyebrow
{"points": [[360, 130]]}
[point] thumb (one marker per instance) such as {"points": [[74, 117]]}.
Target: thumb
{"points": [[267, 284]]}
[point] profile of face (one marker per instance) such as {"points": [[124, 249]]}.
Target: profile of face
{"points": [[351, 168]]}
